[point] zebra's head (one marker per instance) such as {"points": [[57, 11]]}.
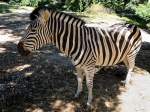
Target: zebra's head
{"points": [[37, 33]]}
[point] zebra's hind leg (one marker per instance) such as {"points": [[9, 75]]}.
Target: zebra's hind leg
{"points": [[80, 77], [130, 63]]}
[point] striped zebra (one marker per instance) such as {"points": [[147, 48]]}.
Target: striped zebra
{"points": [[86, 46]]}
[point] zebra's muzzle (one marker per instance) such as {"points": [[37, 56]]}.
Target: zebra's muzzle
{"points": [[22, 50]]}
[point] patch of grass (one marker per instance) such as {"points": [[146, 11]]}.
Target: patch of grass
{"points": [[99, 13]]}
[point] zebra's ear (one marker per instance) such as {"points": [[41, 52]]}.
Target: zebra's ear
{"points": [[45, 15]]}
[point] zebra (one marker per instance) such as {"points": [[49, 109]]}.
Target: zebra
{"points": [[86, 46]]}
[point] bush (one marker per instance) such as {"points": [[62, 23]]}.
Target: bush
{"points": [[76, 5], [117, 5], [138, 14], [4, 8], [24, 2], [81, 5], [54, 4], [143, 11], [14, 2]]}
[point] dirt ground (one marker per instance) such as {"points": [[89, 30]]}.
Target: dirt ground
{"points": [[45, 81]]}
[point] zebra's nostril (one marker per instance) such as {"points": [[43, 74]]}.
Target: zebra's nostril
{"points": [[22, 50]]}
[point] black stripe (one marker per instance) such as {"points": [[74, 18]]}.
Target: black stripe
{"points": [[96, 41], [54, 27], [51, 25], [135, 40], [65, 35], [90, 62], [90, 47], [103, 47], [111, 36], [135, 49], [92, 36], [76, 40], [109, 45], [80, 46], [85, 50], [117, 33], [122, 39], [71, 37], [86, 57], [128, 41], [61, 28], [116, 49]]}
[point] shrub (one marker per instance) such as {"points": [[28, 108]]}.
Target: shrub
{"points": [[4, 8], [117, 5], [76, 5], [24, 2], [143, 11]]}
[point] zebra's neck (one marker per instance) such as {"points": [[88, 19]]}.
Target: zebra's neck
{"points": [[66, 31]]}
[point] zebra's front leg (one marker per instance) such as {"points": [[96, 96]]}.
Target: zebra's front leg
{"points": [[79, 88], [80, 77], [89, 83]]}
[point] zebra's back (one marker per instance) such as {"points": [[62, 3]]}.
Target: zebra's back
{"points": [[111, 45]]}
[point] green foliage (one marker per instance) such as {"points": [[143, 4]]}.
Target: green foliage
{"points": [[76, 5], [73, 5], [14, 2], [117, 5], [81, 5], [24, 2], [143, 11], [4, 8], [138, 14]]}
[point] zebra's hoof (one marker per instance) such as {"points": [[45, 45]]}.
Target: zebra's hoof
{"points": [[89, 107], [78, 96], [125, 83], [88, 104]]}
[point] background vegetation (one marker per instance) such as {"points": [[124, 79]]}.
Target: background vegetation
{"points": [[138, 11]]}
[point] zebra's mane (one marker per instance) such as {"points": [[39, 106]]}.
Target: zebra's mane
{"points": [[36, 13]]}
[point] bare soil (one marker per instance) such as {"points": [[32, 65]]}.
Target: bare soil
{"points": [[45, 81]]}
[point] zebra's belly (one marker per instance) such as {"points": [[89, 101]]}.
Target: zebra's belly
{"points": [[109, 60], [109, 64]]}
